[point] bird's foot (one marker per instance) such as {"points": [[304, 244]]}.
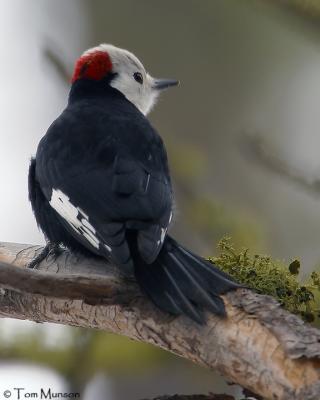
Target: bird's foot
{"points": [[52, 249]]}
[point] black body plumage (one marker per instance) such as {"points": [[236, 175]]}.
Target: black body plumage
{"points": [[100, 184]]}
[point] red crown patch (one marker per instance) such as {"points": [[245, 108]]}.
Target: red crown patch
{"points": [[95, 65]]}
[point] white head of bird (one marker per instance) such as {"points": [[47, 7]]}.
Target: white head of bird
{"points": [[127, 73]]}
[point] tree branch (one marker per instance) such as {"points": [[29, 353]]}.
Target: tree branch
{"points": [[260, 346], [256, 150], [66, 286], [196, 397], [55, 60]]}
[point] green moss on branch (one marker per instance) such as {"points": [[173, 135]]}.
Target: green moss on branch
{"points": [[271, 277]]}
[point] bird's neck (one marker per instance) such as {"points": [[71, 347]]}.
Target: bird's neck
{"points": [[90, 89]]}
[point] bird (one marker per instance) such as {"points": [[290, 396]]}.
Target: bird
{"points": [[100, 185]]}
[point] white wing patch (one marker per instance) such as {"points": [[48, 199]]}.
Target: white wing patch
{"points": [[163, 234], [164, 231], [75, 217]]}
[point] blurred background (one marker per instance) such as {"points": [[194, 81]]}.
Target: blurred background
{"points": [[243, 137]]}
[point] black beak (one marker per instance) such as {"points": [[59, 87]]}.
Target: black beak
{"points": [[161, 84]]}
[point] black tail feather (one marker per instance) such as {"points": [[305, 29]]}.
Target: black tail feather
{"points": [[180, 282], [180, 298], [200, 292]]}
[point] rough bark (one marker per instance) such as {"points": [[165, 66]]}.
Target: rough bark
{"points": [[260, 346]]}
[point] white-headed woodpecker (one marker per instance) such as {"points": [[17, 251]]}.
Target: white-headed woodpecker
{"points": [[100, 184]]}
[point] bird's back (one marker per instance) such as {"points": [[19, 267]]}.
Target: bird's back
{"points": [[104, 158], [96, 131]]}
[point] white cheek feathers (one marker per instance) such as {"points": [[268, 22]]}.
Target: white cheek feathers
{"points": [[143, 96]]}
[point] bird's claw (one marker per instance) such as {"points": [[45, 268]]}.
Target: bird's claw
{"points": [[51, 249]]}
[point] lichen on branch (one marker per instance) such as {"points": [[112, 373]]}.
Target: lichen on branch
{"points": [[271, 277]]}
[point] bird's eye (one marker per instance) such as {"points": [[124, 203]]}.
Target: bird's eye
{"points": [[138, 77]]}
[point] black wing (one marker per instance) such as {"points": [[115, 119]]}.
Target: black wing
{"points": [[105, 177]]}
